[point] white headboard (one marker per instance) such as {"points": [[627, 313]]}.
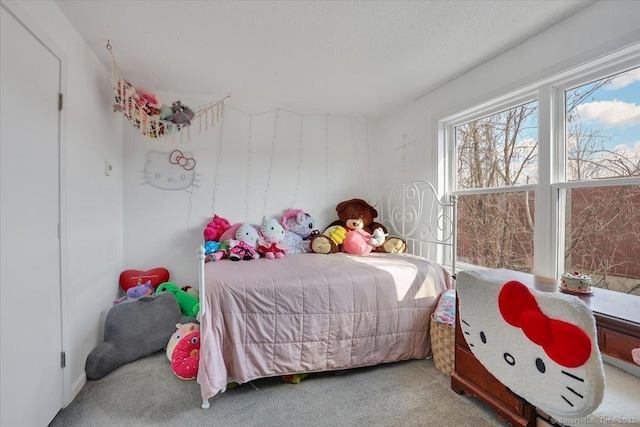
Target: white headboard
{"points": [[414, 212]]}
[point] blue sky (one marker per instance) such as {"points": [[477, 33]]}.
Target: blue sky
{"points": [[615, 110]]}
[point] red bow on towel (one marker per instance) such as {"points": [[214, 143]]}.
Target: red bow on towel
{"points": [[564, 343]]}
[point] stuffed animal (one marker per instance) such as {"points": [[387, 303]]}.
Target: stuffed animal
{"points": [[223, 248], [248, 234], [211, 247], [165, 111], [186, 356], [141, 290], [189, 305], [181, 332], [215, 228], [217, 254], [245, 243], [298, 227], [321, 244], [182, 114], [147, 100], [270, 243], [239, 250], [358, 242], [354, 214], [393, 245], [192, 291]]}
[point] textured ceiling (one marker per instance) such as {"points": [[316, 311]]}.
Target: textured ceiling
{"points": [[312, 57]]}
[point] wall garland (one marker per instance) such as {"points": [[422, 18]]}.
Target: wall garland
{"points": [[273, 149], [215, 175], [275, 136], [294, 202], [249, 161]]}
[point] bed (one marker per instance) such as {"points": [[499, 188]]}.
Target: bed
{"points": [[311, 312]]}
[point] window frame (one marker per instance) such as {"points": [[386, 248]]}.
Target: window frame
{"points": [[548, 240]]}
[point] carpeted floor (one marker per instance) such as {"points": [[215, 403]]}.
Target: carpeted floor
{"points": [[147, 393]]}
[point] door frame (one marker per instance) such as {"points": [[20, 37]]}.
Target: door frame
{"points": [[42, 36]]}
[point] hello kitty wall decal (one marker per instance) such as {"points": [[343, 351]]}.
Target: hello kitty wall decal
{"points": [[170, 171]]}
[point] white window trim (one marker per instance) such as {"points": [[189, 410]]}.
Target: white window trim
{"points": [[549, 202]]}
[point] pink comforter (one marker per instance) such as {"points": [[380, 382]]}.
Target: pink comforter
{"points": [[311, 313]]}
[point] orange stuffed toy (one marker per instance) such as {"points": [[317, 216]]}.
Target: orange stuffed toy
{"points": [[355, 232]]}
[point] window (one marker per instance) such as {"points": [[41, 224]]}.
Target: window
{"points": [[601, 207], [496, 159], [572, 206]]}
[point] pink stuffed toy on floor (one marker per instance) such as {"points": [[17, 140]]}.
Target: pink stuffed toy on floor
{"points": [[186, 356]]}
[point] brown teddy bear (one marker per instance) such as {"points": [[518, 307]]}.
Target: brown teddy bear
{"points": [[356, 229]]}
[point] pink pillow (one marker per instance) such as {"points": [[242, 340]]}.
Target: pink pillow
{"points": [[230, 233]]}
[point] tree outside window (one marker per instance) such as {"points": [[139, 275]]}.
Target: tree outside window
{"points": [[497, 154]]}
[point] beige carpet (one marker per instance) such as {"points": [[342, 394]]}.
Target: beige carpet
{"points": [[147, 393]]}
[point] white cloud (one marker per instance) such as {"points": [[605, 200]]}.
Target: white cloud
{"points": [[625, 79], [627, 151], [610, 113]]}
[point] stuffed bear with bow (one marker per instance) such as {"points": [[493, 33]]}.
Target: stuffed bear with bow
{"points": [[356, 232]]}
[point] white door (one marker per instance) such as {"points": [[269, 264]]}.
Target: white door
{"points": [[31, 378]]}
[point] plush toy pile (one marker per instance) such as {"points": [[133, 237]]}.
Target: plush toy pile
{"points": [[147, 113], [272, 239], [137, 283], [354, 232]]}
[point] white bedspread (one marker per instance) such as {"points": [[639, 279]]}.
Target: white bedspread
{"points": [[310, 313]]}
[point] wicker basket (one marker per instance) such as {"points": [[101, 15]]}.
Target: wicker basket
{"points": [[443, 346]]}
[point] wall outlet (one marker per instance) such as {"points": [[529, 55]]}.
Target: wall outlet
{"points": [[108, 167]]}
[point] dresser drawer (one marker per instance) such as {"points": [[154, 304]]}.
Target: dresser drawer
{"points": [[617, 344], [472, 370]]}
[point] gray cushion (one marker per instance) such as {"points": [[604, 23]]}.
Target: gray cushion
{"points": [[134, 330]]}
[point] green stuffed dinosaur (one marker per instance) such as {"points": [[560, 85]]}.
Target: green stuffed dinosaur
{"points": [[189, 304]]}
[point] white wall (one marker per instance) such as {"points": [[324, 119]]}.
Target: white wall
{"points": [[236, 179], [407, 140], [92, 221], [154, 227]]}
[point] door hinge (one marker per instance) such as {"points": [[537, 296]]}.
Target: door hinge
{"points": [[60, 101], [63, 359]]}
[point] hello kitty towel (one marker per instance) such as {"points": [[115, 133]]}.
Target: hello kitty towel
{"points": [[541, 345]]}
